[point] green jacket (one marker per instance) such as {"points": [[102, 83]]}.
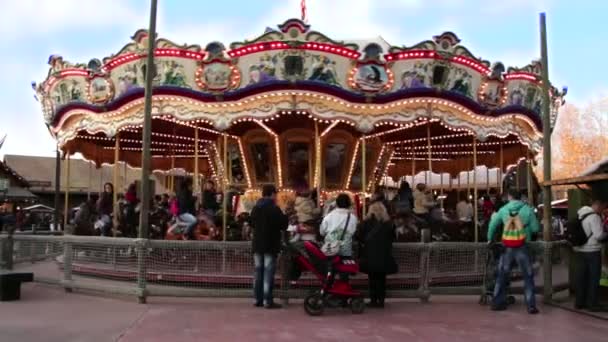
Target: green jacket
{"points": [[526, 214]]}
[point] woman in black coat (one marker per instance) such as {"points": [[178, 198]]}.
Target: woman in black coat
{"points": [[376, 235]]}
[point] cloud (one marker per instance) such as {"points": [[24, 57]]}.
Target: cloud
{"points": [[26, 18]]}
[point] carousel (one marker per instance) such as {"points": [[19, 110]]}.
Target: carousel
{"points": [[294, 107]]}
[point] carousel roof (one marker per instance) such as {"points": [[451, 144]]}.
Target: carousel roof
{"points": [[365, 87]]}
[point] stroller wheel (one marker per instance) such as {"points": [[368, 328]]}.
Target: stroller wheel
{"points": [[357, 305], [510, 300], [313, 304]]}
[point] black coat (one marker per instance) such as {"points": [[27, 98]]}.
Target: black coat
{"points": [[268, 222], [376, 252], [186, 202]]}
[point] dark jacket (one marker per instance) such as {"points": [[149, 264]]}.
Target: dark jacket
{"points": [[210, 201], [267, 221], [376, 253], [185, 202], [403, 201], [105, 205]]}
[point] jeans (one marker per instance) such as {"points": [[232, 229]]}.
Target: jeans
{"points": [[522, 257], [588, 274], [377, 286], [191, 222], [106, 227], [265, 266]]}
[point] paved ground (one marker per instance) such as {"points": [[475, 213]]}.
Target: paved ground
{"points": [[49, 314]]}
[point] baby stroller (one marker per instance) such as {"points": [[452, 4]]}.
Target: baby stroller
{"points": [[490, 273], [334, 292]]}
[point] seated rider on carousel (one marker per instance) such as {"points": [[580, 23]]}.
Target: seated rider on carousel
{"points": [[186, 205], [307, 216]]}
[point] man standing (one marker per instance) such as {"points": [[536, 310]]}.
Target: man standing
{"points": [[589, 257], [519, 224], [268, 222]]}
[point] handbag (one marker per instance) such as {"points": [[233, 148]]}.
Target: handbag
{"points": [[332, 248]]}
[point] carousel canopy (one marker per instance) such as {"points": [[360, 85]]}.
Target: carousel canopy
{"points": [[269, 97]]}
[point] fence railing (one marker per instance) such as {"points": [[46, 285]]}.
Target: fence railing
{"points": [[224, 269]]}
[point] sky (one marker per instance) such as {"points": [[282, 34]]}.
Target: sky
{"points": [[79, 30]]}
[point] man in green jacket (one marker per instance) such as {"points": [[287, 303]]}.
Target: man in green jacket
{"points": [[515, 249]]}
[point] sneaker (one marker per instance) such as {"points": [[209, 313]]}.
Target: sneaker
{"points": [[533, 311], [579, 307], [273, 306], [258, 305]]}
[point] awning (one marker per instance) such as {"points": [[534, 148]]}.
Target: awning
{"points": [[15, 193]]}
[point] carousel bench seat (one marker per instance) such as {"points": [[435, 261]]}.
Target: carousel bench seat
{"points": [[10, 284]]}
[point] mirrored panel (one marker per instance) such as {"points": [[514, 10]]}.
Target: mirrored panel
{"points": [[235, 164], [261, 159], [298, 164], [335, 155], [355, 181]]}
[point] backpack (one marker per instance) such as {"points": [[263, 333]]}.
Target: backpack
{"points": [[513, 233], [575, 233]]}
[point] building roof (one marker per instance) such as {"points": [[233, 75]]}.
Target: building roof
{"points": [[11, 172], [84, 177], [17, 193], [599, 167]]}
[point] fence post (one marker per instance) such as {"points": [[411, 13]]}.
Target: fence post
{"points": [[141, 245], [6, 252], [425, 255], [68, 254], [547, 271]]}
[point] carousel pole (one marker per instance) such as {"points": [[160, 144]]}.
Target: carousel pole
{"points": [[475, 213], [195, 182], [363, 181], [172, 172], [429, 181], [115, 181], [441, 190], [458, 192], [500, 170], [517, 174], [145, 160], [529, 179], [56, 214], [225, 182], [66, 208], [318, 162], [90, 181], [413, 167]]}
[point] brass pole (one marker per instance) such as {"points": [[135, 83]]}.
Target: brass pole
{"points": [[363, 181], [458, 192], [115, 181], [225, 196], [66, 209], [529, 179], [517, 174], [430, 156], [172, 172], [441, 189], [501, 167], [90, 181], [195, 182], [413, 166], [475, 213], [318, 159]]}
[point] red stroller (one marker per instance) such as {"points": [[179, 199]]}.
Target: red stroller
{"points": [[334, 292]]}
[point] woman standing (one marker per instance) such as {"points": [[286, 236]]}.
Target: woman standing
{"points": [[376, 235]]}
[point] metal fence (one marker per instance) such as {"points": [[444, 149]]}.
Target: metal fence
{"points": [[224, 269]]}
